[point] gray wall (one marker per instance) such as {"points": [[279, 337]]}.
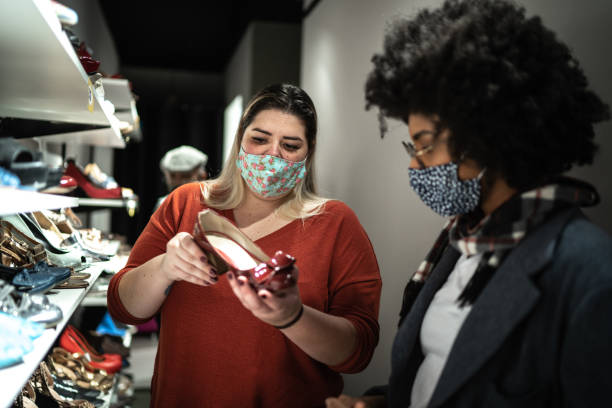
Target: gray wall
{"points": [[338, 39], [267, 53]]}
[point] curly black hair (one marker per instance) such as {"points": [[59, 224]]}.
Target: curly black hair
{"points": [[513, 97]]}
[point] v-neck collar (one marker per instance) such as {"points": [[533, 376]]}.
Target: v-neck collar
{"points": [[229, 214]]}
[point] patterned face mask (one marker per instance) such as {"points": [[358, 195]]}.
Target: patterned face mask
{"points": [[441, 190], [270, 176]]}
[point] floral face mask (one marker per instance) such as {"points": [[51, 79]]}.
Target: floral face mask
{"points": [[270, 176]]}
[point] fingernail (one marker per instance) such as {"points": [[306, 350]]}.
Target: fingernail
{"points": [[230, 276], [214, 278], [213, 271], [264, 296], [240, 282], [204, 259]]}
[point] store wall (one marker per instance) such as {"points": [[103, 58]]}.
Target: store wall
{"points": [[370, 174], [267, 53]]}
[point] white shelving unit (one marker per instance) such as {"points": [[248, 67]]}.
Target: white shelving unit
{"points": [[41, 77], [44, 86], [14, 200], [14, 378]]}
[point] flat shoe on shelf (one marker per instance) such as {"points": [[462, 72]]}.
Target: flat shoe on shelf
{"points": [[32, 307], [228, 248], [28, 280]]}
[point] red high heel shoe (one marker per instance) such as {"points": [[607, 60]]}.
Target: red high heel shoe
{"points": [[73, 341], [227, 248], [91, 190]]}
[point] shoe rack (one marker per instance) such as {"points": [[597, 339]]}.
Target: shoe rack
{"points": [[47, 97]]}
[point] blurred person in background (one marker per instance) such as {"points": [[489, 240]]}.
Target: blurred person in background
{"points": [[182, 165]]}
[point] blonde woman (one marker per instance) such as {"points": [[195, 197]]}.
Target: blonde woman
{"points": [[222, 343]]}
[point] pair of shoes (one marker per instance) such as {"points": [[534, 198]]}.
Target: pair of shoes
{"points": [[37, 279], [68, 237], [18, 249], [76, 369], [106, 343], [33, 307], [91, 190], [227, 248], [45, 387], [27, 225], [74, 341]]}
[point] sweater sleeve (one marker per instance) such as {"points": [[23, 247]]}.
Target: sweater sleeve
{"points": [[355, 288], [152, 242]]}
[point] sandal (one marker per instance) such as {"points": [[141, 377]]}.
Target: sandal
{"points": [[24, 250], [76, 368], [227, 248], [43, 382]]}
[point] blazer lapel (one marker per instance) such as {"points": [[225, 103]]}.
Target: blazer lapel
{"points": [[405, 346], [503, 304]]}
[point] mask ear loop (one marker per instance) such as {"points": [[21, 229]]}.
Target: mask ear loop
{"points": [[482, 172]]}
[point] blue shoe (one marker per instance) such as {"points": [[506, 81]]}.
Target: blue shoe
{"points": [[8, 179], [27, 280], [108, 326], [16, 335]]}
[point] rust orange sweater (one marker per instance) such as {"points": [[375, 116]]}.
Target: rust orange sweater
{"points": [[214, 353]]}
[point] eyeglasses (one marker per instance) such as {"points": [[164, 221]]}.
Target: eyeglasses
{"points": [[416, 154]]}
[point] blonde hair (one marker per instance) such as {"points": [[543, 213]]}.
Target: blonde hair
{"points": [[228, 190]]}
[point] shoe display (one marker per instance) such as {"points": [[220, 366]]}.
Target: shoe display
{"points": [[89, 63], [18, 249], [16, 335], [27, 226], [30, 279], [45, 387], [108, 326], [32, 307], [78, 370], [91, 190], [66, 15], [24, 163], [98, 177], [73, 341], [8, 179], [227, 248], [106, 343]]}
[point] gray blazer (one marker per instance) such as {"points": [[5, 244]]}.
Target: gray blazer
{"points": [[539, 335]]}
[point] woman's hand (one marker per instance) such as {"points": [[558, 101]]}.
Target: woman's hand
{"points": [[185, 261], [345, 401], [276, 309]]}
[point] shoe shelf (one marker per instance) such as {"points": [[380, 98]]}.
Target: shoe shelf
{"points": [[44, 86], [13, 200], [97, 296], [98, 203], [14, 378]]}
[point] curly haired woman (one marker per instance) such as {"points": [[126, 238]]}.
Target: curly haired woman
{"points": [[511, 307]]}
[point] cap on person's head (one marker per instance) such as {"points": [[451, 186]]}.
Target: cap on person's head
{"points": [[183, 158]]}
